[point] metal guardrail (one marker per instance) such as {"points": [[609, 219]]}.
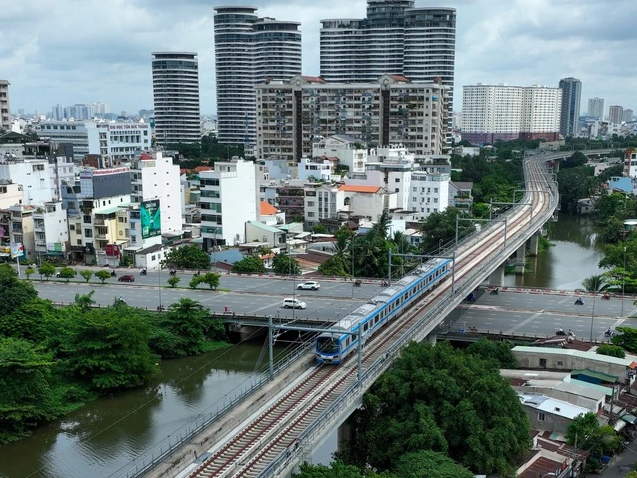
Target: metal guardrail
{"points": [[372, 373]]}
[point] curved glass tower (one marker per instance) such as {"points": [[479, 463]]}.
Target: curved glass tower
{"points": [[249, 51]]}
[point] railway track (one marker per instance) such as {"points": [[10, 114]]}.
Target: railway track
{"points": [[276, 428]]}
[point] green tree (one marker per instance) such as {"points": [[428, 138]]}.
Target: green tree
{"points": [[626, 339], [595, 283], [285, 265], [500, 352], [574, 184], [14, 291], [338, 470], [589, 435], [319, 229], [433, 399], [440, 227], [334, 267], [103, 275], [107, 348], [25, 393], [87, 274], [67, 273], [46, 269], [211, 279], [430, 464], [183, 329], [577, 159], [611, 350], [29, 272], [173, 281], [29, 320], [188, 257], [85, 301], [249, 265], [194, 282]]}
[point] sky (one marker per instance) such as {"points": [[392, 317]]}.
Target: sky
{"points": [[83, 51]]}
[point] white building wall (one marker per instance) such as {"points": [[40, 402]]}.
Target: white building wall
{"points": [[62, 172], [123, 140], [33, 175], [74, 132], [11, 194], [314, 168], [238, 200], [429, 193], [50, 228], [159, 178]]}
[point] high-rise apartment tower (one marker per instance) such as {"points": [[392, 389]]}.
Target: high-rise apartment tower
{"points": [[395, 38], [615, 114], [596, 107], [571, 97], [176, 97], [249, 51]]}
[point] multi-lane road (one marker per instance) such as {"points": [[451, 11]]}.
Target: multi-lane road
{"points": [[242, 295], [542, 314], [508, 312]]}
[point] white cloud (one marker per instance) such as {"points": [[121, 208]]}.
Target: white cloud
{"points": [[76, 51]]}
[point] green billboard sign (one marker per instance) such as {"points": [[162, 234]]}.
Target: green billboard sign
{"points": [[151, 218]]}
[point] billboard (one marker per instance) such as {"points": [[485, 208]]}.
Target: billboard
{"points": [[151, 218]]}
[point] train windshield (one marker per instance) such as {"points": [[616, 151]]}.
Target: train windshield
{"points": [[327, 344]]}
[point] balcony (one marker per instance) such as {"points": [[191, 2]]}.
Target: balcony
{"points": [[98, 221]]}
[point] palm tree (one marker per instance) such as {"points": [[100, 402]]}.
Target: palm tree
{"points": [[382, 225], [595, 283]]}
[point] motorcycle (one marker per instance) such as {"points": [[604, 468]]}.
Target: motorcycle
{"points": [[579, 301], [384, 283], [560, 332], [113, 274], [143, 272], [495, 291], [196, 274], [357, 283], [608, 333], [471, 297], [173, 272], [606, 297]]}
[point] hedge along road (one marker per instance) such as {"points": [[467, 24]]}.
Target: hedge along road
{"points": [[259, 296]]}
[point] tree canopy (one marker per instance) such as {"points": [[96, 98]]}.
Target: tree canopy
{"points": [[249, 265], [188, 257], [435, 399]]}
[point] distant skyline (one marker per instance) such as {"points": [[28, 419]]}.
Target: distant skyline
{"points": [[93, 51]]}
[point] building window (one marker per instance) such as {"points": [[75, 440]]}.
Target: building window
{"points": [[543, 363], [397, 180], [88, 233], [541, 417]]}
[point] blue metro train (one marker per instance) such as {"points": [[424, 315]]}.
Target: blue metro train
{"points": [[332, 348]]}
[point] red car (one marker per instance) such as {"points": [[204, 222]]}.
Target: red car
{"points": [[126, 278]]}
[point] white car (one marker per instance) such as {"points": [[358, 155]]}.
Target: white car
{"points": [[310, 285], [293, 304]]}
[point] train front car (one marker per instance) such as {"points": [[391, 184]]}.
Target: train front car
{"points": [[329, 346]]}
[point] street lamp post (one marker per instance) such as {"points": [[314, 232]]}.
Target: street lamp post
{"points": [[593, 315], [159, 284], [623, 281]]}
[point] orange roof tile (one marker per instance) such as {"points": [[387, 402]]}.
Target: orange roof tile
{"points": [[267, 209], [359, 189]]}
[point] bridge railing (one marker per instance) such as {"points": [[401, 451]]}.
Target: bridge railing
{"points": [[318, 426]]}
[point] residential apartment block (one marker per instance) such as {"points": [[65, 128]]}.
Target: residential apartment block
{"points": [[229, 198], [571, 99], [501, 112], [615, 114], [176, 97], [249, 51], [395, 38], [5, 109], [51, 231], [596, 107], [292, 116]]}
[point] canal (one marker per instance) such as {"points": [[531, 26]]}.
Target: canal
{"points": [[107, 434], [574, 257]]}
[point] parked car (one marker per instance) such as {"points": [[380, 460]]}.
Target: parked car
{"points": [[293, 304], [126, 278], [310, 285]]}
